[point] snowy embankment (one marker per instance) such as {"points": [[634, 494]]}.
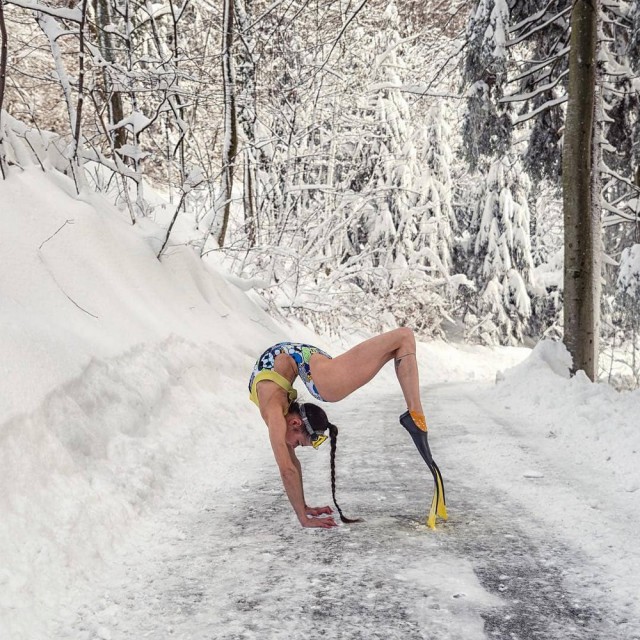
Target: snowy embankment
{"points": [[585, 485], [109, 358]]}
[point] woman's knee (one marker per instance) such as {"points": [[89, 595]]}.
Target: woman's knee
{"points": [[407, 334], [406, 337]]}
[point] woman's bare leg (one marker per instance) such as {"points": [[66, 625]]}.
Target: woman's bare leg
{"points": [[337, 378]]}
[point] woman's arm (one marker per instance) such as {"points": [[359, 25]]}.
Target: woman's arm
{"points": [[291, 477], [310, 511], [296, 462], [290, 469]]}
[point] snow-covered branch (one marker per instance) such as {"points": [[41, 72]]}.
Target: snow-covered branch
{"points": [[538, 66], [520, 97], [72, 15], [547, 105], [538, 27]]}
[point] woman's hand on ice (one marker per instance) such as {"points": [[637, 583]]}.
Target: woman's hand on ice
{"points": [[318, 511], [319, 523], [313, 518]]}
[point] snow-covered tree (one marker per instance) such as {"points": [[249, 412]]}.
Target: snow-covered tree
{"points": [[539, 40], [503, 247], [436, 221], [627, 306], [487, 125], [400, 215]]}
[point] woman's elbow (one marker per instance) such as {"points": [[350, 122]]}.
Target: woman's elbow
{"points": [[288, 472]]}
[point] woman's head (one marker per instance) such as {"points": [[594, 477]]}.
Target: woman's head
{"points": [[307, 424], [305, 421]]}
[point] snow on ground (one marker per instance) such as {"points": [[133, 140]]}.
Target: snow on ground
{"points": [[587, 482], [131, 459]]}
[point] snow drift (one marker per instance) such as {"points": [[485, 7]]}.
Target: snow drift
{"points": [[110, 360]]}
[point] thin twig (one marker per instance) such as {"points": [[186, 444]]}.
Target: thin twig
{"points": [[60, 228]]}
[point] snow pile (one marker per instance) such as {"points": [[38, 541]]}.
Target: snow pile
{"points": [[578, 423], [442, 362], [567, 450], [547, 355], [114, 368]]}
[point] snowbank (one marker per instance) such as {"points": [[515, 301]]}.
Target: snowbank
{"points": [[442, 362], [568, 450], [114, 366], [583, 424]]}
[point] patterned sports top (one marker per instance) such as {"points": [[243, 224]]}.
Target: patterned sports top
{"points": [[263, 369]]}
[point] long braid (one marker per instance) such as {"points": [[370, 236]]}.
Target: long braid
{"points": [[333, 434]]}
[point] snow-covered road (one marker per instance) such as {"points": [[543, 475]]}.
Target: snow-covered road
{"points": [[228, 559]]}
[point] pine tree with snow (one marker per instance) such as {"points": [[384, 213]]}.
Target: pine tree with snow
{"points": [[435, 216], [627, 305], [486, 130], [383, 157], [503, 250], [540, 36], [402, 191]]}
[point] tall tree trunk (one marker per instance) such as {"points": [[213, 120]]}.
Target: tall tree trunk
{"points": [[581, 195], [230, 144], [77, 134], [246, 108], [3, 77], [176, 98], [103, 17]]}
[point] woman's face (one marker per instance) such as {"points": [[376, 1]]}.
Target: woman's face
{"points": [[297, 435]]}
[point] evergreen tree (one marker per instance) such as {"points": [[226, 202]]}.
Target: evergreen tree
{"points": [[487, 126], [628, 303], [436, 219], [503, 247], [540, 34]]}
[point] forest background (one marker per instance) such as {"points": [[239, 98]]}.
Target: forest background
{"points": [[370, 162]]}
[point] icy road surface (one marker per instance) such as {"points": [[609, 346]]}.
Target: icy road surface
{"points": [[228, 559]]}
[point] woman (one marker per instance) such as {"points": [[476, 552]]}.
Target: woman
{"points": [[330, 380]]}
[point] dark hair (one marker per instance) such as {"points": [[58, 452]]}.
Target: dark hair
{"points": [[320, 422]]}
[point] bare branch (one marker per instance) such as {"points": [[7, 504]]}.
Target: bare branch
{"points": [[173, 221], [55, 233], [344, 28]]}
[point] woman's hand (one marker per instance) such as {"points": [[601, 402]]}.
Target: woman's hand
{"points": [[318, 511], [312, 519], [320, 523]]}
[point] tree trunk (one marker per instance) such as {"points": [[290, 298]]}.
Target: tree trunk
{"points": [[77, 134], [230, 145], [3, 77], [112, 93], [581, 195], [246, 108]]}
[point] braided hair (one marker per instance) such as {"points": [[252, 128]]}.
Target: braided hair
{"points": [[320, 422]]}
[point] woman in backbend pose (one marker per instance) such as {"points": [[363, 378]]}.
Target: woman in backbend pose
{"points": [[293, 424]]}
